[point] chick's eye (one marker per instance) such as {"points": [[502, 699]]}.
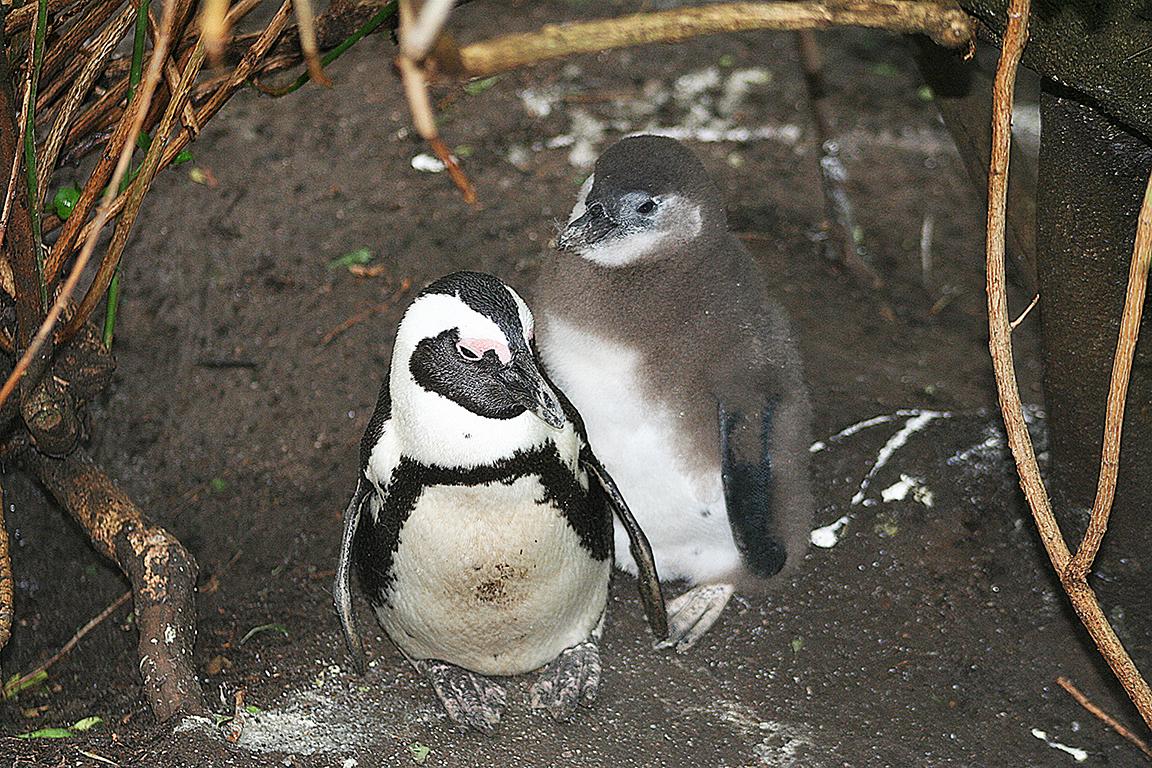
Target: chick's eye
{"points": [[471, 355], [646, 207]]}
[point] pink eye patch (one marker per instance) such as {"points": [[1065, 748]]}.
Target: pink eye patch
{"points": [[474, 349]]}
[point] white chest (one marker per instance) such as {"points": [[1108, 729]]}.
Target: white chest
{"points": [[491, 580], [679, 503]]}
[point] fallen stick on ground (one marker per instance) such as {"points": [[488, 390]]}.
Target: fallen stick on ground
{"points": [[364, 314], [94, 622], [1103, 716]]}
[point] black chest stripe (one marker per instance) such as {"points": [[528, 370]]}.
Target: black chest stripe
{"points": [[376, 542]]}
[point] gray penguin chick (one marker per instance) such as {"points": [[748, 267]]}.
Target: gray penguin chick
{"points": [[657, 324], [481, 524]]}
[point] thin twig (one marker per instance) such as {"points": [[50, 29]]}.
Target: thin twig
{"points": [[1024, 314], [1083, 599], [306, 27], [214, 28], [364, 314], [416, 91], [7, 278], [1118, 392], [424, 30], [239, 719], [366, 29], [1103, 716], [73, 642], [838, 208], [945, 23]]}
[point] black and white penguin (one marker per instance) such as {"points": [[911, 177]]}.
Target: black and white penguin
{"points": [[657, 323], [481, 524]]}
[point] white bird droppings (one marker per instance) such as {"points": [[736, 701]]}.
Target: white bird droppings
{"points": [[427, 163], [899, 490], [829, 535], [1078, 755], [895, 443]]}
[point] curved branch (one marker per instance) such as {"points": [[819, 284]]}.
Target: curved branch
{"points": [[944, 22], [162, 573]]}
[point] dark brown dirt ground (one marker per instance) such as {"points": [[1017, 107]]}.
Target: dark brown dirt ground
{"points": [[929, 636]]}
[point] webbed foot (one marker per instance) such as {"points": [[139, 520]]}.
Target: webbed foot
{"points": [[570, 678], [693, 613], [469, 699]]}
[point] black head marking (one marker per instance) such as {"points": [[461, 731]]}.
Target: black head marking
{"points": [[488, 296], [477, 385], [490, 384]]}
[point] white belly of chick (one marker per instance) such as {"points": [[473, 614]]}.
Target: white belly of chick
{"points": [[492, 580], [681, 508]]}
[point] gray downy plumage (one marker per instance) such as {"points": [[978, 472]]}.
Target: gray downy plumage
{"points": [[481, 524], [658, 324]]}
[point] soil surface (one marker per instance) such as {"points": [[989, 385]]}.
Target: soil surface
{"points": [[930, 634]]}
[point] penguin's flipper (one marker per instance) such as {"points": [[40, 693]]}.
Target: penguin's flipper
{"points": [[746, 466], [341, 590], [647, 578]]}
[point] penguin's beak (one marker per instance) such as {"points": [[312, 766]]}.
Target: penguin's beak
{"points": [[590, 228], [528, 387]]}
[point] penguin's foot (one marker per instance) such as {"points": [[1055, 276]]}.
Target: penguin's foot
{"points": [[570, 678], [693, 613], [469, 699]]}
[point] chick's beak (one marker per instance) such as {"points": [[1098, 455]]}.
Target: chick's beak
{"points": [[528, 387], [591, 227]]}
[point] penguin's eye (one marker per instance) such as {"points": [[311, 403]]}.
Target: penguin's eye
{"points": [[646, 207], [471, 355]]}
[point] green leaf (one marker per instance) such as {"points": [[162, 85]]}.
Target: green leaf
{"points": [[87, 723], [47, 733], [264, 628], [477, 87], [924, 93], [183, 156], [218, 484], [726, 60], [419, 752], [65, 200], [464, 151], [144, 141], [352, 258], [252, 709], [14, 686], [797, 644]]}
